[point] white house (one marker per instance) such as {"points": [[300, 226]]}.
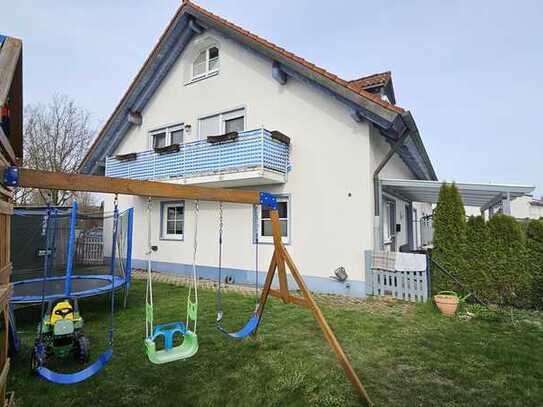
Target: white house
{"points": [[215, 105]]}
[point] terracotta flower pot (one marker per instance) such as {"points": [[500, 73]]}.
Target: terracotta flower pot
{"points": [[446, 303]]}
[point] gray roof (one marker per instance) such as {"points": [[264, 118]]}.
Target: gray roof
{"points": [[473, 194]]}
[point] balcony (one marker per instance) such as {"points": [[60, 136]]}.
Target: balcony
{"points": [[255, 157]]}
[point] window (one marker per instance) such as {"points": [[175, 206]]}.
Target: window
{"points": [[206, 63], [167, 136], [236, 124], [265, 225], [222, 123], [176, 136], [159, 140], [173, 220]]}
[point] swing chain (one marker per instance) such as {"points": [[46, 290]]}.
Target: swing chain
{"points": [[257, 225], [221, 227], [221, 222]]}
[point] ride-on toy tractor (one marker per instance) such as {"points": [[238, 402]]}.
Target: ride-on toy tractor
{"points": [[60, 334]]}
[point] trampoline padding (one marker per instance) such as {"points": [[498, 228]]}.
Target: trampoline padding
{"points": [[28, 291]]}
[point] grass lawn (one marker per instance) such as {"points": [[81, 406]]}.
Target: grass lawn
{"points": [[406, 355]]}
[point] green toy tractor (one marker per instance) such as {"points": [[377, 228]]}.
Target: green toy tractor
{"points": [[60, 335]]}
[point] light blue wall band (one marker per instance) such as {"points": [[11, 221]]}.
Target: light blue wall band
{"points": [[352, 288]]}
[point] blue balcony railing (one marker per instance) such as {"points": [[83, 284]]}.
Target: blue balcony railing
{"points": [[252, 150]]}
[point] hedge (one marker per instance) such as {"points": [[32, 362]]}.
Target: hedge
{"points": [[498, 259]]}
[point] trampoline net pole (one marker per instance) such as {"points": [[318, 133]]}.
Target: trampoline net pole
{"points": [[71, 250]]}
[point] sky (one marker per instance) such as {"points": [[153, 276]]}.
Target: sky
{"points": [[469, 71]]}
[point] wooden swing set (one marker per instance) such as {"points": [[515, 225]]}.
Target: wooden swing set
{"points": [[280, 261]]}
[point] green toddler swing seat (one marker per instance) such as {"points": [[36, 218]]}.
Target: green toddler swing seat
{"points": [[171, 353], [168, 331]]}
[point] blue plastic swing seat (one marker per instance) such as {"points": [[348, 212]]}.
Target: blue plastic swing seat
{"points": [[168, 331], [72, 378], [244, 332]]}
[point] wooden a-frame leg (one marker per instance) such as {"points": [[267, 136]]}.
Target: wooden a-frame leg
{"points": [[278, 254], [281, 256], [327, 331]]}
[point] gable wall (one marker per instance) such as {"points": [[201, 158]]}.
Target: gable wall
{"points": [[330, 157]]}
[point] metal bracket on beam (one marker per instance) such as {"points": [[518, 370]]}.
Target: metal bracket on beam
{"points": [[134, 117], [268, 201], [194, 26], [278, 73], [11, 176], [357, 116]]}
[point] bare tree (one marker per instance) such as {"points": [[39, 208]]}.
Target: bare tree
{"points": [[56, 137]]}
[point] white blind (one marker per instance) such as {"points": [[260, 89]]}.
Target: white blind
{"points": [[210, 126]]}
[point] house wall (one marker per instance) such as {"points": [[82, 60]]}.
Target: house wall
{"points": [[522, 208], [395, 168], [329, 185]]}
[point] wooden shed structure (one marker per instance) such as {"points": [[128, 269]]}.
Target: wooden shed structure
{"points": [[11, 153]]}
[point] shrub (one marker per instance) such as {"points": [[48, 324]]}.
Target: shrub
{"points": [[449, 234], [534, 259], [511, 281], [477, 271]]}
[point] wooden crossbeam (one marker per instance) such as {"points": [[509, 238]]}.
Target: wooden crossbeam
{"points": [[291, 299], [92, 183]]}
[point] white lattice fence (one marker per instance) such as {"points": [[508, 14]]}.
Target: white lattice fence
{"points": [[402, 285], [90, 248]]}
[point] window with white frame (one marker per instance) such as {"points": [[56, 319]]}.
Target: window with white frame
{"points": [[173, 220], [206, 63], [167, 136], [222, 123], [264, 227]]}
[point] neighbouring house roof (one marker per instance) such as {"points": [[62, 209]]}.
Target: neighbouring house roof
{"points": [[378, 83], [376, 79], [189, 20]]}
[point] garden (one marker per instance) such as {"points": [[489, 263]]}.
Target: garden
{"points": [[405, 354]]}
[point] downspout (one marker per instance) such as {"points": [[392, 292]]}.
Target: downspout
{"points": [[377, 241]]}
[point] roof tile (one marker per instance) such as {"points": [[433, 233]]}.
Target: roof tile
{"points": [[354, 88]]}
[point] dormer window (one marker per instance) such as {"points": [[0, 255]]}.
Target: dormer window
{"points": [[206, 63]]}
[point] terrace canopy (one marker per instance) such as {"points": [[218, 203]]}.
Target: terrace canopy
{"points": [[483, 196]]}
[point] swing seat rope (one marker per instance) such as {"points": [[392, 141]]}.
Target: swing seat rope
{"points": [[167, 331]]}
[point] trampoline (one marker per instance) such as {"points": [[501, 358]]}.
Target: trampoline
{"points": [[30, 291], [73, 249]]}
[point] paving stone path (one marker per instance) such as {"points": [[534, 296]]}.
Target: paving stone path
{"points": [[333, 300]]}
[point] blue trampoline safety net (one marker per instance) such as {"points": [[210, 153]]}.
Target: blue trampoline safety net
{"points": [[72, 249]]}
